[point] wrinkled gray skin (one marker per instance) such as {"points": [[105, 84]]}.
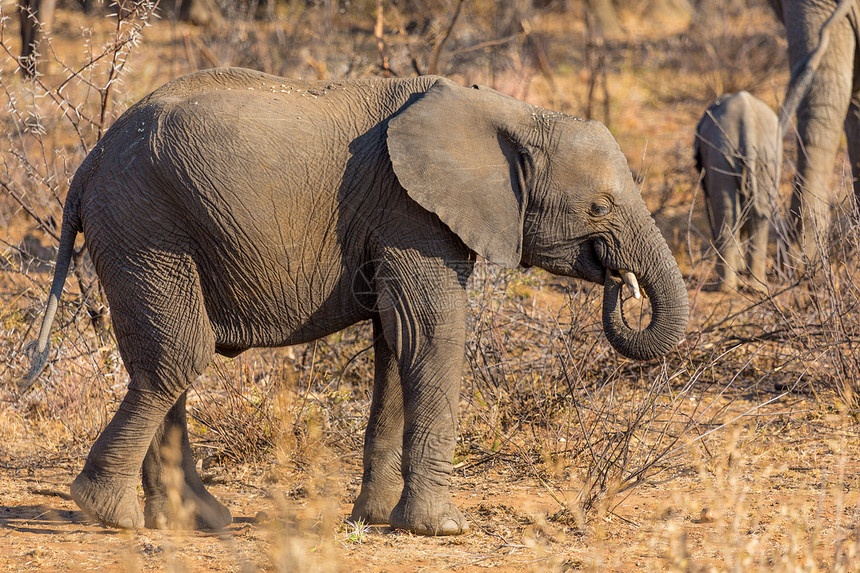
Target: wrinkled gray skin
{"points": [[738, 157], [231, 209], [833, 101]]}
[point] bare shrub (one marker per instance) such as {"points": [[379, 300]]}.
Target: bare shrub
{"points": [[831, 325], [729, 47], [805, 327], [491, 42], [237, 419], [734, 56], [286, 401], [50, 123], [544, 383]]}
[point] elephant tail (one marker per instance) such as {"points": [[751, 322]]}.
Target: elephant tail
{"points": [[804, 70], [38, 350]]}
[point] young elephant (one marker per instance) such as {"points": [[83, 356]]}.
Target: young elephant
{"points": [[230, 209], [738, 155]]}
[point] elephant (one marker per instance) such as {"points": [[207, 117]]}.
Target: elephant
{"points": [[823, 54], [232, 209], [738, 157]]}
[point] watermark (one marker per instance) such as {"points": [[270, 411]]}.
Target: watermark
{"points": [[381, 285]]}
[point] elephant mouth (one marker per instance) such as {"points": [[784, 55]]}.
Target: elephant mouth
{"points": [[600, 252], [629, 278]]}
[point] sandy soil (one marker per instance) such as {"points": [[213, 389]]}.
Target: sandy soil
{"points": [[778, 489], [786, 479]]}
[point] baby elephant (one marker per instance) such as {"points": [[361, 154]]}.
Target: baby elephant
{"points": [[231, 209], [738, 156]]}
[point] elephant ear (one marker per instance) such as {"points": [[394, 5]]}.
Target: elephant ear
{"points": [[455, 154]]}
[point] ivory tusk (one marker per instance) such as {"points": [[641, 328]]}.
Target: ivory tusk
{"points": [[631, 282]]}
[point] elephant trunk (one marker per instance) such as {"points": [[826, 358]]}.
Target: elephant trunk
{"points": [[660, 279]]}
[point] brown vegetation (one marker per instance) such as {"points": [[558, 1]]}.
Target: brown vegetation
{"points": [[738, 451]]}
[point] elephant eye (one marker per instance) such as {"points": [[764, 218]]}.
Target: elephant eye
{"points": [[600, 208]]}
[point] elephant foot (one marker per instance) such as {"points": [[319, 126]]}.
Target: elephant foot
{"points": [[375, 503], [194, 510], [428, 513], [109, 500]]}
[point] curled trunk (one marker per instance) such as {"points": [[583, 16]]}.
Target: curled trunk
{"points": [[661, 280]]}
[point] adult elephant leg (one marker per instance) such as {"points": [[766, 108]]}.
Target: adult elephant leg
{"points": [[166, 341], [810, 198], [382, 481], [852, 134], [820, 119], [423, 315], [175, 495]]}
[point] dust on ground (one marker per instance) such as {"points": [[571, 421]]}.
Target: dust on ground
{"points": [[787, 469], [776, 488]]}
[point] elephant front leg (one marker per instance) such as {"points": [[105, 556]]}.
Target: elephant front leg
{"points": [[175, 495], [382, 481], [425, 506], [428, 337]]}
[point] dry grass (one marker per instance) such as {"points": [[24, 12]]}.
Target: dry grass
{"points": [[737, 452]]}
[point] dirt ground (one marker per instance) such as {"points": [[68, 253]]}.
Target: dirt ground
{"points": [[770, 482], [786, 497]]}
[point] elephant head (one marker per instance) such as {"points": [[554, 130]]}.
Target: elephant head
{"points": [[523, 185]]}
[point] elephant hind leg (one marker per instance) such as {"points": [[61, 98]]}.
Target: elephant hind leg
{"points": [[726, 212], [166, 341], [175, 495], [820, 119], [758, 232]]}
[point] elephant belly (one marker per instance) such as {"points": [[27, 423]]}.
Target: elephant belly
{"points": [[278, 297]]}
